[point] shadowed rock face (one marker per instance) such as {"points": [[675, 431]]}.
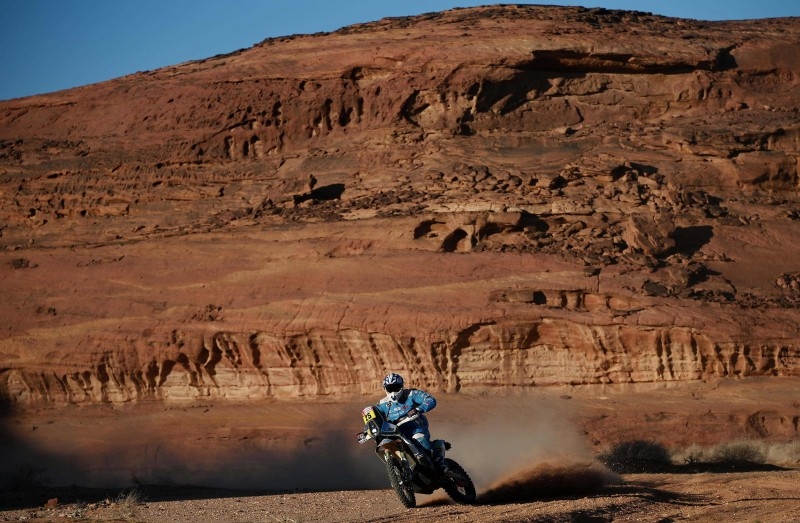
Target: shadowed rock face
{"points": [[482, 198]]}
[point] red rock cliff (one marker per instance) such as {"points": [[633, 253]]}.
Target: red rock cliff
{"points": [[481, 199]]}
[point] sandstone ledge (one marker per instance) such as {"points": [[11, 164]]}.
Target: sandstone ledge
{"points": [[483, 199]]}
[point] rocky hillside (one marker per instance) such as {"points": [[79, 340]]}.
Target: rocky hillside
{"points": [[481, 199]]}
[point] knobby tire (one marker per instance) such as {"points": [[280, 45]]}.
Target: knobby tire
{"points": [[461, 489], [404, 490]]}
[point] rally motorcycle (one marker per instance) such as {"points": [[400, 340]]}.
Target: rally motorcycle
{"points": [[410, 467]]}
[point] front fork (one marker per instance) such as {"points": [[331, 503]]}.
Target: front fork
{"points": [[390, 448], [410, 461], [406, 471]]}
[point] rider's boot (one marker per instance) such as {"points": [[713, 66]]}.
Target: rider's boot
{"points": [[437, 455]]}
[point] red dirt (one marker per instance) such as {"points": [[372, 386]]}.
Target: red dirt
{"points": [[576, 227], [533, 457]]}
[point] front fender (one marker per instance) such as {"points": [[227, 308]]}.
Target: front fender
{"points": [[391, 447]]}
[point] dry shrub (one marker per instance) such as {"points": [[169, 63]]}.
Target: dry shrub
{"points": [[740, 451], [784, 453], [126, 504], [691, 455], [637, 456], [736, 452]]}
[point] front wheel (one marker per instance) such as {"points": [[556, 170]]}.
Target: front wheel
{"points": [[458, 484], [401, 485]]}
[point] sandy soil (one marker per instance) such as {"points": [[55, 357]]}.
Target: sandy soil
{"points": [[533, 457], [743, 496]]}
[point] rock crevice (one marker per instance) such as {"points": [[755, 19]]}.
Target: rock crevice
{"points": [[484, 199]]}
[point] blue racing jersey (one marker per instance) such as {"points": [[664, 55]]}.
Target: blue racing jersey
{"points": [[409, 399]]}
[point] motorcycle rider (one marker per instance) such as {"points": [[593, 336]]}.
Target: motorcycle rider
{"points": [[401, 402]]}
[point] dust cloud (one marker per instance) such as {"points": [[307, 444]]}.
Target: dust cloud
{"points": [[525, 451], [226, 448], [549, 480], [509, 448]]}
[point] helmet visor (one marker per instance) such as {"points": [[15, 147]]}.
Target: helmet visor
{"points": [[393, 387]]}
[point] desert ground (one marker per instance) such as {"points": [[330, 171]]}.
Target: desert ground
{"points": [[741, 496], [576, 227], [533, 457]]}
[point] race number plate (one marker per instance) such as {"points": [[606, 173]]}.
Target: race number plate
{"points": [[368, 414]]}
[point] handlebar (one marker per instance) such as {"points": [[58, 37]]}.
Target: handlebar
{"points": [[364, 436]]}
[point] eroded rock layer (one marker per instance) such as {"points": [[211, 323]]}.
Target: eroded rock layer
{"points": [[481, 199]]}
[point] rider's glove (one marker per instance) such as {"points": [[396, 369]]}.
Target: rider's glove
{"points": [[413, 412]]}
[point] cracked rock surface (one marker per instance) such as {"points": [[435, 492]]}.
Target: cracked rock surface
{"points": [[481, 199]]}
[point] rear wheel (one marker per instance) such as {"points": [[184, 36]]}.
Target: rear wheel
{"points": [[401, 485], [458, 484]]}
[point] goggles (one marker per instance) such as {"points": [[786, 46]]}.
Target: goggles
{"points": [[393, 387]]}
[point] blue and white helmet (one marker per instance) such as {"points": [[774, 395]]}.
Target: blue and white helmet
{"points": [[393, 385]]}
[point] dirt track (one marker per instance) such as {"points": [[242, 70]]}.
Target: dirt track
{"points": [[269, 461], [745, 496]]}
